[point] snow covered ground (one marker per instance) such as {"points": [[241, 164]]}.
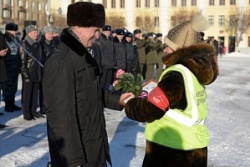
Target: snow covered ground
{"points": [[24, 143]]}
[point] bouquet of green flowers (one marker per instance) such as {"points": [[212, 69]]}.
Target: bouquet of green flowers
{"points": [[127, 82]]}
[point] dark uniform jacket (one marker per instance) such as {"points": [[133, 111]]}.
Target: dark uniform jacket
{"points": [[47, 47], [31, 71], [74, 106], [120, 54], [3, 74], [12, 59], [107, 52], [132, 58]]}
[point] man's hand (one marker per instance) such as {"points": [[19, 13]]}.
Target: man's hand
{"points": [[125, 97], [3, 52]]}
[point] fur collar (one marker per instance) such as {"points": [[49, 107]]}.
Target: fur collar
{"points": [[69, 39], [198, 59]]}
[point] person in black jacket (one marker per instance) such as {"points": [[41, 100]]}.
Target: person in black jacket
{"points": [[107, 58], [48, 43], [3, 74], [13, 65], [73, 98], [31, 71], [132, 57], [120, 50]]}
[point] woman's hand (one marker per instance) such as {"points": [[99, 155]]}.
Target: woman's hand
{"points": [[125, 97]]}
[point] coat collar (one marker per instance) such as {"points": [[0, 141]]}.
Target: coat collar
{"points": [[69, 39], [72, 42]]}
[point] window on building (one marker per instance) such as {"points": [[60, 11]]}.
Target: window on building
{"points": [[174, 3], [222, 2], [147, 3], [33, 5], [26, 4], [20, 3], [157, 3], [211, 2], [122, 3], [232, 2], [112, 3], [221, 20], [6, 14], [193, 3], [157, 21], [183, 3], [39, 6], [104, 3], [138, 3], [211, 20]]}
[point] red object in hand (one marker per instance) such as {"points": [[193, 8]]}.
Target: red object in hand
{"points": [[158, 98]]}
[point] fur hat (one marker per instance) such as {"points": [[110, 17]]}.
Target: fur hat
{"points": [[11, 26], [30, 28], [48, 29], [187, 33], [85, 14]]}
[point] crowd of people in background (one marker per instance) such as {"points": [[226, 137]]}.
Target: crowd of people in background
{"points": [[134, 52], [25, 54]]}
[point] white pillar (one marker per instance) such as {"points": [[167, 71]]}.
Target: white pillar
{"points": [[129, 15], [164, 16]]}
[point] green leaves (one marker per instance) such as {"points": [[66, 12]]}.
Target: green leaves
{"points": [[127, 82]]}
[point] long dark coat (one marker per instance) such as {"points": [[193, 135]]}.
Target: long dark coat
{"points": [[3, 74], [74, 105]]}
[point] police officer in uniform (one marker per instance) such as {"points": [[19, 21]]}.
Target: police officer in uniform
{"points": [[13, 64], [140, 45], [107, 59], [151, 56], [120, 50], [132, 57]]}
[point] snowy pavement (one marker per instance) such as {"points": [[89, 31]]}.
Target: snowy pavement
{"points": [[24, 143]]}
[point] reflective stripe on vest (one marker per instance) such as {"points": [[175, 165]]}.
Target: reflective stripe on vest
{"points": [[191, 98], [182, 129]]}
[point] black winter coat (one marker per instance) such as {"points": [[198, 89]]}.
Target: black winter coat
{"points": [[108, 60], [74, 106], [120, 54], [3, 74], [31, 71]]}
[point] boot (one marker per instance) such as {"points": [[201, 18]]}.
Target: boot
{"points": [[8, 106], [16, 107]]}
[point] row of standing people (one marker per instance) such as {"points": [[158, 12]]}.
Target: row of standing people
{"points": [[127, 51], [27, 57]]}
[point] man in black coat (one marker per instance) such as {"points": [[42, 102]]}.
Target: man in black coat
{"points": [[3, 74], [107, 60], [13, 65], [73, 99], [31, 71]]}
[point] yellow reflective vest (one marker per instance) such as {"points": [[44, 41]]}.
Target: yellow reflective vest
{"points": [[182, 129]]}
